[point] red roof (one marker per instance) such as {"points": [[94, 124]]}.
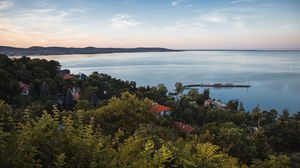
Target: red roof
{"points": [[23, 86], [157, 108], [184, 127], [67, 76]]}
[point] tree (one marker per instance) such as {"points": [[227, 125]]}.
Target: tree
{"points": [[203, 155], [241, 107], [122, 132], [69, 102], [281, 161], [233, 105], [284, 135], [124, 113], [232, 139], [193, 93], [178, 87], [285, 116], [269, 117], [83, 105], [144, 152], [257, 116], [162, 89], [6, 117], [262, 147], [206, 94], [44, 89]]}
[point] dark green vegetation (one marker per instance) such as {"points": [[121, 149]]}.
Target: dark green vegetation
{"points": [[111, 126]]}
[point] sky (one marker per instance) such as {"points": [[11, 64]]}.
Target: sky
{"points": [[178, 24]]}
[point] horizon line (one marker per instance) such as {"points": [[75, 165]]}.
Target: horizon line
{"points": [[179, 49]]}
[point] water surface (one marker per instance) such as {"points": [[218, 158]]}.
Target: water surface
{"points": [[273, 75]]}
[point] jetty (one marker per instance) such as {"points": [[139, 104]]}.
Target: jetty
{"points": [[217, 85]]}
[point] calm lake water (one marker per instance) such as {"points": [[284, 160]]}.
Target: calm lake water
{"points": [[273, 75]]}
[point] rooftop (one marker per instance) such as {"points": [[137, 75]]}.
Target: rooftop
{"points": [[157, 108]]}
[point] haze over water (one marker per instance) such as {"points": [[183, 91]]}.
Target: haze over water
{"points": [[273, 75]]}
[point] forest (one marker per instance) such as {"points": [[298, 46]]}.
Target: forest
{"points": [[52, 118]]}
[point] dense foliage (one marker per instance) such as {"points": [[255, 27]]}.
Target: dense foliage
{"points": [[112, 126]]}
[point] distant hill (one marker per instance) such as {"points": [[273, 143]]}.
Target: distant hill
{"points": [[37, 50]]}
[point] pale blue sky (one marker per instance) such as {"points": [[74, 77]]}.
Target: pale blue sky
{"points": [[203, 24]]}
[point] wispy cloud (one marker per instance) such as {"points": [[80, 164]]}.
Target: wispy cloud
{"points": [[175, 3], [214, 17], [241, 1], [5, 4], [53, 22], [124, 21], [286, 26], [43, 13], [178, 2], [223, 19], [240, 25], [44, 24]]}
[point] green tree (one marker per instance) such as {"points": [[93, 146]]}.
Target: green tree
{"points": [[124, 113], [203, 155], [206, 94], [281, 161], [162, 89], [178, 87]]}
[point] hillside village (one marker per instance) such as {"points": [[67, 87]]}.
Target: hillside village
{"points": [[48, 113], [73, 96]]}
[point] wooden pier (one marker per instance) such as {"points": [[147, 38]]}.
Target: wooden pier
{"points": [[217, 85]]}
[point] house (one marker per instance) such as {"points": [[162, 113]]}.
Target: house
{"points": [[75, 93], [160, 109], [208, 102], [65, 72], [82, 76], [184, 127], [173, 96], [215, 103], [219, 104], [67, 76], [24, 88]]}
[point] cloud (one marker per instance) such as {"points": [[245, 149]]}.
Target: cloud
{"points": [[240, 25], [286, 26], [223, 19], [241, 1], [181, 4], [42, 13], [240, 19], [124, 21], [5, 4], [175, 3], [214, 17], [41, 24]]}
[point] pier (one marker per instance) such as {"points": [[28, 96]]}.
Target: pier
{"points": [[217, 85]]}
